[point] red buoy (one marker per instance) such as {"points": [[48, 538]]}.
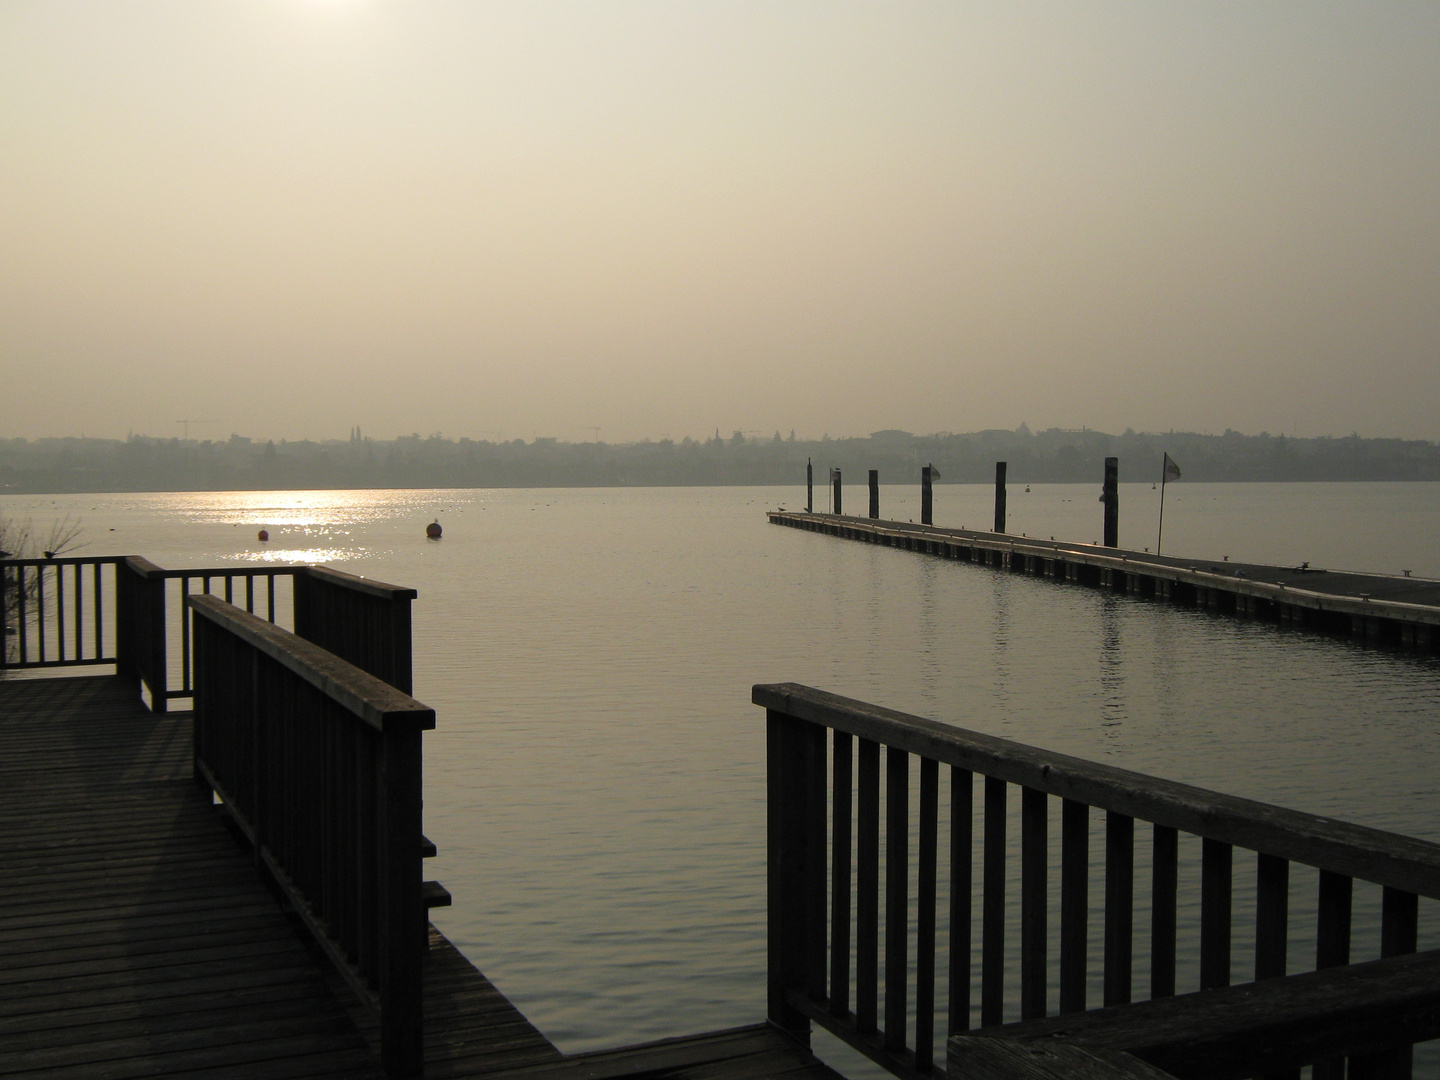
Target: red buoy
{"points": [[433, 530], [264, 534]]}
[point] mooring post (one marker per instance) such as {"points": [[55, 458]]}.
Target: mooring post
{"points": [[1110, 496], [809, 486], [874, 493], [1000, 496], [835, 484], [927, 497]]}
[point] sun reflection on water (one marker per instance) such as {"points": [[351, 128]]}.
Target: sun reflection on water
{"points": [[296, 509], [299, 555]]}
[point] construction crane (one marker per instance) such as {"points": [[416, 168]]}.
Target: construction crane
{"points": [[186, 429]]}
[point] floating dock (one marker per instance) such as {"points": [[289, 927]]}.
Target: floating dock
{"points": [[1399, 611]]}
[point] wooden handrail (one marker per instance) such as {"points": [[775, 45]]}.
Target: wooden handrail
{"points": [[50, 627], [1255, 1028], [319, 764], [839, 766], [365, 621], [380, 590], [1385, 858], [371, 699], [65, 560]]}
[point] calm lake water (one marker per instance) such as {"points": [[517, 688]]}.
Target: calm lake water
{"points": [[596, 782]]}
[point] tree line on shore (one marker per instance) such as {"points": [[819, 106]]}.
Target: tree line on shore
{"points": [[141, 463]]}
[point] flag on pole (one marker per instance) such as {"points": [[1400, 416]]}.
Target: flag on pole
{"points": [[934, 473], [1168, 471]]}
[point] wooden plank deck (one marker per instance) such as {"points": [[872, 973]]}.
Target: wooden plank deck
{"points": [[136, 938]]}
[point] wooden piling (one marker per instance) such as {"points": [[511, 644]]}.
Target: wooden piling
{"points": [[874, 493], [927, 497], [809, 486], [1000, 496], [835, 484], [1110, 496]]}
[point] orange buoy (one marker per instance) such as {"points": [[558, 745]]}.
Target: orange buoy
{"points": [[433, 530], [264, 534]]}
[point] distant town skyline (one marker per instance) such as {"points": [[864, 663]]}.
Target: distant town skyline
{"points": [[1050, 456], [594, 433], [287, 217]]}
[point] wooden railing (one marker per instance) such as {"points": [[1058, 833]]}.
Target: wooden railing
{"points": [[841, 824], [152, 613], [55, 612], [319, 764], [126, 611], [366, 622]]}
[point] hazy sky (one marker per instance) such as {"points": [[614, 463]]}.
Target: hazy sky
{"points": [[285, 217]]}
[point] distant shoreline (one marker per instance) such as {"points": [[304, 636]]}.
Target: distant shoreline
{"points": [[819, 487], [1055, 456]]}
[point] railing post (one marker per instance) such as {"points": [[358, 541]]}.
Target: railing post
{"points": [[153, 589], [401, 972], [198, 706], [4, 616], [140, 628], [1398, 937], [796, 867], [125, 623]]}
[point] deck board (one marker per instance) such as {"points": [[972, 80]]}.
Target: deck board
{"points": [[135, 937]]}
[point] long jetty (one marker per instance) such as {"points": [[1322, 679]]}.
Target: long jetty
{"points": [[1398, 611]]}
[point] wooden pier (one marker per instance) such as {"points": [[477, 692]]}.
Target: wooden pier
{"points": [[1398, 611], [235, 891]]}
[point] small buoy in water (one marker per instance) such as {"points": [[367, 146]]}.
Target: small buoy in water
{"points": [[264, 534], [433, 530]]}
